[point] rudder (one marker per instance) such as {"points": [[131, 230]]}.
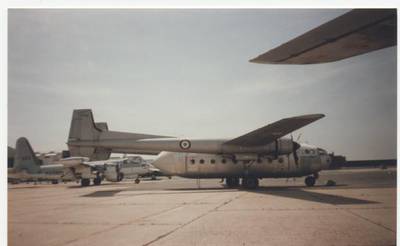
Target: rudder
{"points": [[83, 128]]}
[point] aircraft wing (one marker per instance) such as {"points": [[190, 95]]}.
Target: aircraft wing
{"points": [[354, 33], [271, 132]]}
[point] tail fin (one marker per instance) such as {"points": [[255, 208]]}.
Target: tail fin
{"points": [[83, 128], [25, 158], [102, 126]]}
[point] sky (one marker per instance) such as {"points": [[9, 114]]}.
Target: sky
{"points": [[186, 73]]}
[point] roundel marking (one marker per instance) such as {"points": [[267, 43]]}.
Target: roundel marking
{"points": [[185, 144]]}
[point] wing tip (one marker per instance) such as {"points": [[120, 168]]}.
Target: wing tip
{"points": [[310, 116]]}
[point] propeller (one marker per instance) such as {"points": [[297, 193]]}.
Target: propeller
{"points": [[295, 147]]}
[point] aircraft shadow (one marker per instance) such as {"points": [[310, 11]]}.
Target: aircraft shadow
{"points": [[103, 193], [295, 192], [307, 195]]}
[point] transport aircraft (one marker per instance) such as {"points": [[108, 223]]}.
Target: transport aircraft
{"points": [[27, 167], [262, 153], [356, 32]]}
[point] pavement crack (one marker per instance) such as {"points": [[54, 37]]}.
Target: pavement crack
{"points": [[371, 221], [193, 220]]}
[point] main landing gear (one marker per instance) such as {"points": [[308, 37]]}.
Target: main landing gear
{"points": [[232, 182], [310, 180], [250, 182], [247, 182], [97, 181], [85, 182]]}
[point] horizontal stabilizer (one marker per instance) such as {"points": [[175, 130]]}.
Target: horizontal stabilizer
{"points": [[271, 132]]}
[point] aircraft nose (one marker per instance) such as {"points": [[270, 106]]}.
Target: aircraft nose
{"points": [[165, 162]]}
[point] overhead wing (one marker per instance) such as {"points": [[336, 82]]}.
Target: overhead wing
{"points": [[356, 32], [271, 132]]}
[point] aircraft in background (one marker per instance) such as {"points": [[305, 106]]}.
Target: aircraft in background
{"points": [[27, 167], [261, 153], [354, 33]]}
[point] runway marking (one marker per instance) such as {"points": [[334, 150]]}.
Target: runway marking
{"points": [[193, 220]]}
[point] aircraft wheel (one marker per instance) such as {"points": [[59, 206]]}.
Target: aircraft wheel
{"points": [[232, 182], [250, 182], [310, 181], [85, 182], [97, 181], [120, 177], [137, 181]]}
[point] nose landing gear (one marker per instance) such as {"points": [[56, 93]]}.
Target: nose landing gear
{"points": [[310, 180]]}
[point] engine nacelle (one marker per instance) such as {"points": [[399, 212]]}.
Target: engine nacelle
{"points": [[112, 173]]}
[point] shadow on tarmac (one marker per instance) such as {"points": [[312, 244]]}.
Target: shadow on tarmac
{"points": [[301, 194], [295, 192]]}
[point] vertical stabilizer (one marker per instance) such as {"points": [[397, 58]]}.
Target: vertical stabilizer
{"points": [[25, 158], [83, 128]]}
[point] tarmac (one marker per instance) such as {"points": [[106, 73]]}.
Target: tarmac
{"points": [[359, 210]]}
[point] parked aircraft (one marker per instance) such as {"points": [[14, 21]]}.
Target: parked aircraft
{"points": [[258, 154], [27, 167], [356, 32]]}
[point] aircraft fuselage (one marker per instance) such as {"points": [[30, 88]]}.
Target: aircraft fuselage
{"points": [[311, 160]]}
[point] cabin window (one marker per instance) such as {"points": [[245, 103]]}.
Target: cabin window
{"points": [[223, 161], [192, 161], [201, 161], [212, 161]]}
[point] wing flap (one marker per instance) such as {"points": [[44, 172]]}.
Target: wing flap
{"points": [[356, 32], [271, 132]]}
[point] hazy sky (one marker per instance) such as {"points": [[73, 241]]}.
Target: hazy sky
{"points": [[186, 73]]}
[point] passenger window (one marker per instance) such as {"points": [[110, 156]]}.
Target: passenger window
{"points": [[192, 161], [201, 161], [212, 161], [223, 161]]}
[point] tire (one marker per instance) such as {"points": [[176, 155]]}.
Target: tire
{"points": [[250, 183], [309, 181], [96, 181], [120, 177], [85, 182], [137, 181], [232, 182], [54, 181]]}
